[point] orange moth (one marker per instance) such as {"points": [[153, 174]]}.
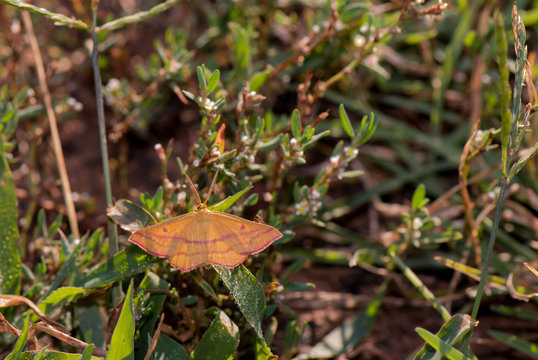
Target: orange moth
{"points": [[205, 237]]}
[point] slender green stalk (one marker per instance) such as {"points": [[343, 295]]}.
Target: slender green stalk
{"points": [[111, 227], [489, 252], [59, 19], [139, 16], [510, 140], [421, 287], [483, 276]]}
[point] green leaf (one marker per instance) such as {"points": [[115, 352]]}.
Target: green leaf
{"points": [[269, 144], [515, 312], [168, 349], [258, 79], [419, 285], [452, 55], [219, 341], [368, 126], [229, 201], [346, 337], [251, 200], [40, 355], [247, 292], [127, 262], [206, 287], [263, 352], [522, 161], [296, 127], [200, 72], [419, 199], [69, 269], [122, 341], [52, 355], [213, 81], [10, 266], [346, 124], [242, 53], [130, 216], [351, 174], [190, 96], [441, 346], [87, 353], [316, 137], [157, 200], [91, 325], [451, 333], [154, 307], [516, 342], [59, 298], [21, 341]]}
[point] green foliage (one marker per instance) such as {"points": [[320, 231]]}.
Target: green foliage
{"points": [[280, 100], [122, 341], [21, 341], [450, 333], [442, 346], [247, 293], [10, 264], [128, 262], [168, 349], [219, 341]]}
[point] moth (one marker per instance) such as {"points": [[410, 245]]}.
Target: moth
{"points": [[205, 237]]}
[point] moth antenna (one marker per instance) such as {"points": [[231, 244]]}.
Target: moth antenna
{"points": [[194, 189], [211, 187]]}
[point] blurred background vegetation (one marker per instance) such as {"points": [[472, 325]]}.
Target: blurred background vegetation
{"points": [[356, 123]]}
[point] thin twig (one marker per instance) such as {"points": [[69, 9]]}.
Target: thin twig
{"points": [[56, 143], [66, 338], [155, 339]]}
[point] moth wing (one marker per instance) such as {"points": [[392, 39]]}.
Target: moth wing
{"points": [[166, 238], [195, 249], [234, 238]]}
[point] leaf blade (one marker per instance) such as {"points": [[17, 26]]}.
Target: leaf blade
{"points": [[122, 342], [10, 266], [247, 292]]}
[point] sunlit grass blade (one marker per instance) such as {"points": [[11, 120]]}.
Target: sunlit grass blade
{"points": [[516, 342], [441, 346], [451, 332], [473, 272], [515, 312], [21, 341], [419, 285]]}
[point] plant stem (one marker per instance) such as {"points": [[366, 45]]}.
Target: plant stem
{"points": [[53, 125], [111, 227], [486, 261]]}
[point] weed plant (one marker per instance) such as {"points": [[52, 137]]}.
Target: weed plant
{"points": [[392, 140]]}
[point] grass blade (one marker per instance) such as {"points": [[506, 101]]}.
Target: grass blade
{"points": [[10, 266]]}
